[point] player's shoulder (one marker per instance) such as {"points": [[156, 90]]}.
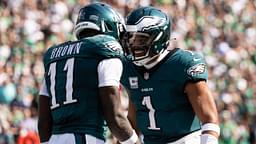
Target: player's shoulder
{"points": [[101, 38], [61, 46], [104, 41], [99, 47], [193, 62], [188, 57], [105, 45]]}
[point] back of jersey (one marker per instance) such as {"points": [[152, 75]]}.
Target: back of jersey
{"points": [[72, 83]]}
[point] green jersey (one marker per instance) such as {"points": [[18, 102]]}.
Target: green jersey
{"points": [[163, 111], [72, 83]]}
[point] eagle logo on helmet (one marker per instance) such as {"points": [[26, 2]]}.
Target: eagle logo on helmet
{"points": [[146, 23]]}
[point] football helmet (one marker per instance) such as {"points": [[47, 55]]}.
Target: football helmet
{"points": [[148, 33], [99, 17]]}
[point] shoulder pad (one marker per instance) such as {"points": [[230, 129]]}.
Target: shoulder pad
{"points": [[105, 46], [194, 65]]}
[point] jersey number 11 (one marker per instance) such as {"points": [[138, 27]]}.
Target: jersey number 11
{"points": [[69, 67]]}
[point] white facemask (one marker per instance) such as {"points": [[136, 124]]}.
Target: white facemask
{"points": [[146, 62]]}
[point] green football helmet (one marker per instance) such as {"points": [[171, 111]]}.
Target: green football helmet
{"points": [[148, 33], [101, 18]]}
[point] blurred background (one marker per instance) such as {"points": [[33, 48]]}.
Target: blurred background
{"points": [[223, 30]]}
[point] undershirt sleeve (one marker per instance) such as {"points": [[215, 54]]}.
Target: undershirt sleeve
{"points": [[43, 91], [109, 72]]}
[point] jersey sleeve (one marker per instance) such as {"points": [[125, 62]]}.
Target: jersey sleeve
{"points": [[196, 68], [109, 72]]}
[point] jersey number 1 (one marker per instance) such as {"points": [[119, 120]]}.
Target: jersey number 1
{"points": [[69, 67], [152, 122]]}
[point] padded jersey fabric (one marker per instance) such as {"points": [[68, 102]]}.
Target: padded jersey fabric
{"points": [[163, 110], [72, 83]]}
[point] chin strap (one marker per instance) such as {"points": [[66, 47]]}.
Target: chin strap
{"points": [[150, 62], [143, 61]]}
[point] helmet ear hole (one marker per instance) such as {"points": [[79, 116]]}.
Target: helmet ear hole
{"points": [[88, 33]]}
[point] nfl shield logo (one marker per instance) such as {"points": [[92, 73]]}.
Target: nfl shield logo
{"points": [[133, 82], [146, 75]]}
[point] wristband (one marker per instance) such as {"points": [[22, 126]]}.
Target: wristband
{"points": [[211, 127], [208, 139], [132, 140]]}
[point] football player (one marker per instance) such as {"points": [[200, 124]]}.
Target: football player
{"points": [[81, 83], [168, 88]]}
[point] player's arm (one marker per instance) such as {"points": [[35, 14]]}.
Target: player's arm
{"points": [[132, 116], [204, 106], [45, 118], [131, 109], [201, 97], [109, 72]]}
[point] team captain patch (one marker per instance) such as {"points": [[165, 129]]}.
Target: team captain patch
{"points": [[196, 69]]}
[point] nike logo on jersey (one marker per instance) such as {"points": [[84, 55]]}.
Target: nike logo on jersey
{"points": [[196, 59]]}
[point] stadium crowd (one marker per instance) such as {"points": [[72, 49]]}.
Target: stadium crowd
{"points": [[223, 30]]}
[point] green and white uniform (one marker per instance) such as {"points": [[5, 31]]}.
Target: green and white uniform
{"points": [[73, 73], [163, 111]]}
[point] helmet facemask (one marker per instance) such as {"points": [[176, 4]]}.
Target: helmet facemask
{"points": [[140, 45], [144, 45], [148, 34]]}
